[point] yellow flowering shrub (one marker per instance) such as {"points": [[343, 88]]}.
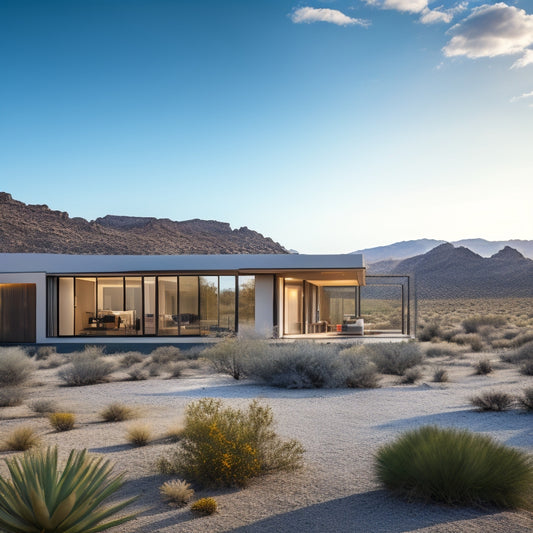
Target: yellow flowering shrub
{"points": [[223, 446]]}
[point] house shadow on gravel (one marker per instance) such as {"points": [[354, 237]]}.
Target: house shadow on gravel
{"points": [[370, 512]]}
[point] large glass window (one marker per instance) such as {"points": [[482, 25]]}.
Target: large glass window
{"points": [[149, 305], [85, 318], [168, 305], [227, 303], [66, 306], [246, 302], [337, 305], [189, 316], [293, 311], [133, 306], [110, 301], [208, 305]]}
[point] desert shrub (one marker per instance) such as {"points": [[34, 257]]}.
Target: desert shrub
{"points": [[394, 357], [130, 358], [354, 370], [86, 370], [526, 400], [456, 467], [440, 351], [222, 446], [62, 421], [155, 369], [55, 360], [44, 407], [523, 338], [20, 439], [16, 367], [163, 355], [492, 401], [137, 374], [474, 323], [483, 367], [524, 353], [527, 368], [476, 343], [12, 396], [139, 434], [411, 375], [44, 352], [175, 370], [39, 498], [117, 412], [429, 332], [440, 375], [204, 506], [299, 365], [232, 355], [177, 491]]}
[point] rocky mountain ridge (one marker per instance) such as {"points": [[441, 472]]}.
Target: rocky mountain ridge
{"points": [[38, 229]]}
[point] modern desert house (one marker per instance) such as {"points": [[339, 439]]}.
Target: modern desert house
{"points": [[54, 298]]}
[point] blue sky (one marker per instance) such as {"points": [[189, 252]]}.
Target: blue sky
{"points": [[329, 126]]}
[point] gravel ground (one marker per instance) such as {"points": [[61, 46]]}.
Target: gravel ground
{"points": [[340, 430]]}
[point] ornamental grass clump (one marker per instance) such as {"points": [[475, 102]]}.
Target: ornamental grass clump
{"points": [[483, 367], [455, 467], [177, 492], [139, 434], [226, 447], [38, 498], [20, 439], [204, 506], [62, 421], [117, 412]]}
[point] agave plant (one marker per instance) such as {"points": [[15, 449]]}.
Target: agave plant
{"points": [[40, 499]]}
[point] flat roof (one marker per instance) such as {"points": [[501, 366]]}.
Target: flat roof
{"points": [[79, 264]]}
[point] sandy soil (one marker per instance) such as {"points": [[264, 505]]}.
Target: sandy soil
{"points": [[340, 429]]}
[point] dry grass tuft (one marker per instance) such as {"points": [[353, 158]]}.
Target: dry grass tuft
{"points": [[118, 412], [21, 439], [177, 492], [139, 434]]}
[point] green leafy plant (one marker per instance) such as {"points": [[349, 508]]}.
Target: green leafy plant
{"points": [[456, 467], [62, 421], [38, 498], [177, 491], [222, 446], [204, 506], [21, 439]]}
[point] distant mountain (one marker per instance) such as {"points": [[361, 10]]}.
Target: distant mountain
{"points": [[405, 249], [38, 229], [450, 272]]}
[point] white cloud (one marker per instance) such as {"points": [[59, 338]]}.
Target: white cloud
{"points": [[308, 15], [427, 15], [432, 16], [411, 6], [522, 96], [525, 60], [493, 30]]}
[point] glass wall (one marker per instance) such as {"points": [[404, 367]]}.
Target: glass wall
{"points": [[337, 304], [246, 302], [208, 305], [226, 308], [293, 311], [150, 305], [168, 305], [189, 312]]}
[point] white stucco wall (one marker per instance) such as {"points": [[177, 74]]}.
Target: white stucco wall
{"points": [[264, 304]]}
